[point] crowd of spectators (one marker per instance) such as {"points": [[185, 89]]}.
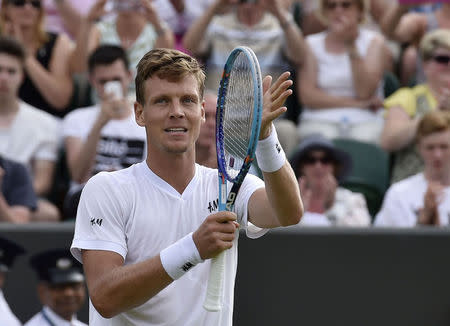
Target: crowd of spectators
{"points": [[364, 70]]}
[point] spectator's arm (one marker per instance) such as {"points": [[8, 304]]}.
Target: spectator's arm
{"points": [[311, 95], [193, 39], [399, 129], [13, 214], [165, 38], [294, 39], [88, 38], [43, 176], [55, 84], [401, 26], [368, 71], [70, 16], [81, 154]]}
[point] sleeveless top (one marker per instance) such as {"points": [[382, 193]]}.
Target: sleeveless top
{"points": [[28, 92]]}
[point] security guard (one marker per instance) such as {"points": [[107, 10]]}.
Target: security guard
{"points": [[8, 253], [61, 288]]}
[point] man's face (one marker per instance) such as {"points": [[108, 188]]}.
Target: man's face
{"points": [[65, 299], [115, 71], [172, 114], [437, 68], [435, 152], [11, 76]]}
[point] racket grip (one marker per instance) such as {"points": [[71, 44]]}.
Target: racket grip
{"points": [[214, 292]]}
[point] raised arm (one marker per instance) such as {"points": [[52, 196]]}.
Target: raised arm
{"points": [[193, 39], [87, 38], [401, 26], [70, 16], [279, 203], [165, 37], [294, 39]]}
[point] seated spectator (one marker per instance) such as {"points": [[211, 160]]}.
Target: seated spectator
{"points": [[136, 27], [61, 288], [341, 82], [17, 197], [319, 166], [424, 198], [48, 84], [408, 27], [406, 106], [103, 137], [266, 27], [28, 135], [8, 253], [205, 146], [180, 14]]}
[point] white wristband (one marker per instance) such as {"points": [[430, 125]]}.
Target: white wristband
{"points": [[269, 153], [180, 257]]}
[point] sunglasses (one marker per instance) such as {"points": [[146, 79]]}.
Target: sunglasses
{"points": [[311, 160], [334, 5], [441, 59], [21, 3]]}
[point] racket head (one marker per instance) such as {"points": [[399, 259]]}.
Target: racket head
{"points": [[239, 113]]}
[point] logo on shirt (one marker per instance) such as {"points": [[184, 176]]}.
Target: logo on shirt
{"points": [[278, 148], [96, 221], [212, 206], [187, 266]]}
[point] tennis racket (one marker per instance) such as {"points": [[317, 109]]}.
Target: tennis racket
{"points": [[238, 122]]}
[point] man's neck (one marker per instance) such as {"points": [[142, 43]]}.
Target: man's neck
{"points": [[8, 110], [176, 170]]}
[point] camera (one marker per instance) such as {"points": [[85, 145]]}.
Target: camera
{"points": [[114, 87]]}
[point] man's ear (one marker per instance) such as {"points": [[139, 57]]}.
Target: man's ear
{"points": [[139, 114], [42, 290], [203, 111]]}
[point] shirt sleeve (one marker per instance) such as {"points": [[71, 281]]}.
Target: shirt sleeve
{"points": [[392, 212], [100, 222], [403, 98], [249, 186]]}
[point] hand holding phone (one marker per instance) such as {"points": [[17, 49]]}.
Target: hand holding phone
{"points": [[114, 89]]}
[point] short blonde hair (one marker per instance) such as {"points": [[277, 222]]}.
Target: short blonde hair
{"points": [[432, 122], [364, 6], [438, 38], [168, 64]]}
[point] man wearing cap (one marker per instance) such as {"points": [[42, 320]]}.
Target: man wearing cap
{"points": [[8, 253], [61, 288], [319, 167]]}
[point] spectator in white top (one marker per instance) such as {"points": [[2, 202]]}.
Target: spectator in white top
{"points": [[341, 82], [103, 137], [423, 199]]}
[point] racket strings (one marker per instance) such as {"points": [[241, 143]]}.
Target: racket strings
{"points": [[238, 116]]}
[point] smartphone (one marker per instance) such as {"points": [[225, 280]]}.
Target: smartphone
{"points": [[114, 87], [127, 5]]}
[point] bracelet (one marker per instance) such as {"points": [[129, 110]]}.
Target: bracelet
{"points": [[180, 257], [269, 153]]}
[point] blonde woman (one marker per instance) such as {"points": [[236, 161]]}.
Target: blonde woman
{"points": [[341, 83], [48, 83]]}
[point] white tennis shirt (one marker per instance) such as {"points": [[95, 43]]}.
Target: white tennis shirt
{"points": [[136, 214]]}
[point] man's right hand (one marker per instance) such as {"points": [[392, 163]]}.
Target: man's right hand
{"points": [[215, 234]]}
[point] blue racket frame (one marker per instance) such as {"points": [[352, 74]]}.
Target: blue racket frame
{"points": [[227, 203]]}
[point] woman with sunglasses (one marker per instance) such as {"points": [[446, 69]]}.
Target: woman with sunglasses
{"points": [[405, 107], [319, 166], [48, 83], [341, 82]]}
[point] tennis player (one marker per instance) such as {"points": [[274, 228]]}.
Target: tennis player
{"points": [[146, 234]]}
